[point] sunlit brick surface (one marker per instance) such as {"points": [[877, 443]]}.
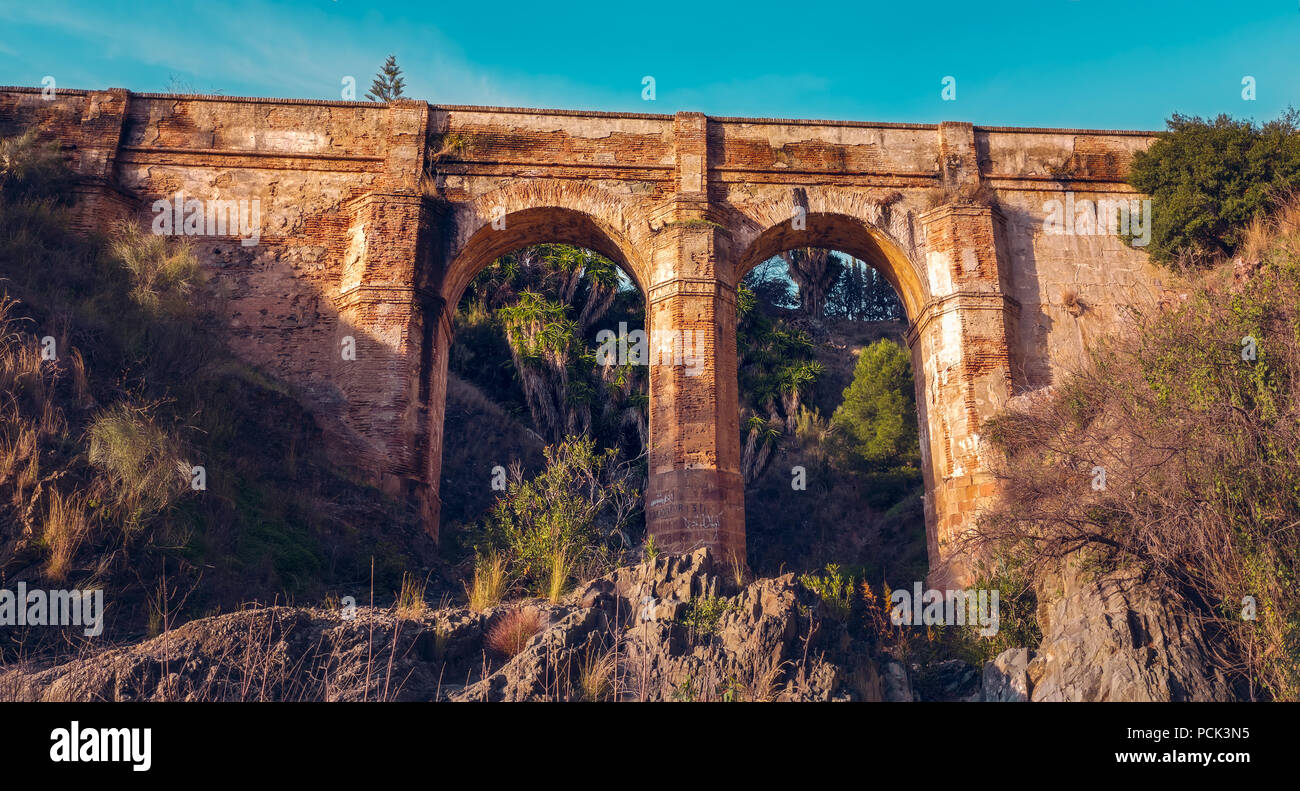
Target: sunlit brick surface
{"points": [[375, 217]]}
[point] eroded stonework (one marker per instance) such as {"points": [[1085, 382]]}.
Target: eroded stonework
{"points": [[374, 218]]}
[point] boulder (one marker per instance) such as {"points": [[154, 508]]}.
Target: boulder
{"points": [[1006, 678]]}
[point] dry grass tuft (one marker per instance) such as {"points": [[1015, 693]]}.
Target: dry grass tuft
{"points": [[596, 675], [512, 631], [65, 527], [488, 587], [557, 577], [163, 274], [410, 600], [142, 462], [1070, 300]]}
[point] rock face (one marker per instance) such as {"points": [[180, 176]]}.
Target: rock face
{"points": [[1006, 678], [661, 631], [1111, 639], [947, 680], [672, 628], [657, 631], [276, 653], [896, 685]]}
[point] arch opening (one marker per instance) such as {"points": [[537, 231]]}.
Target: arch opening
{"points": [[850, 236], [831, 432], [498, 234], [543, 409]]}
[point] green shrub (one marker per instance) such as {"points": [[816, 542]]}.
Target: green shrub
{"points": [[1017, 609], [571, 517], [1208, 180], [835, 588], [876, 422], [702, 615]]}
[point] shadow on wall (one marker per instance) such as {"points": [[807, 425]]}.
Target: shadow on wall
{"points": [[1031, 364]]}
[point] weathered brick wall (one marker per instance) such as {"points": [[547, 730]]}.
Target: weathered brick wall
{"points": [[374, 218]]}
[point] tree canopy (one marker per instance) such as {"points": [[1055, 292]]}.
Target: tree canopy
{"points": [[388, 82], [1208, 180]]}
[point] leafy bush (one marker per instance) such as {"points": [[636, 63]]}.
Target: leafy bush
{"points": [[878, 415], [1208, 180], [876, 424], [703, 614], [1017, 609], [570, 517], [835, 588]]}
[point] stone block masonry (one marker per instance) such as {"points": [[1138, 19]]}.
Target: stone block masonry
{"points": [[376, 217]]}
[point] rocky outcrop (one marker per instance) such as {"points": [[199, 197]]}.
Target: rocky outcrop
{"points": [[946, 680], [275, 653], [661, 630], [1111, 638], [671, 628]]}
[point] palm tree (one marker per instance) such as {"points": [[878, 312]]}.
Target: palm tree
{"points": [[814, 271]]}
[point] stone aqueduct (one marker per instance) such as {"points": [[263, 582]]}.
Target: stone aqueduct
{"points": [[375, 217]]}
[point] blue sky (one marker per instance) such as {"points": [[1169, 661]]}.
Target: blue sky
{"points": [[1123, 64]]}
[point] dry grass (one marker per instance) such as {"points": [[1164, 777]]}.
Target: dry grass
{"points": [[512, 631], [596, 675], [65, 527], [141, 461], [18, 448], [80, 381], [557, 577], [1256, 239], [410, 599], [164, 274], [739, 570], [1070, 300], [488, 586], [31, 422], [966, 195]]}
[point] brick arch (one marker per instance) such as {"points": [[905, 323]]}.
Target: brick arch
{"points": [[869, 235], [869, 230], [536, 213], [684, 203]]}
